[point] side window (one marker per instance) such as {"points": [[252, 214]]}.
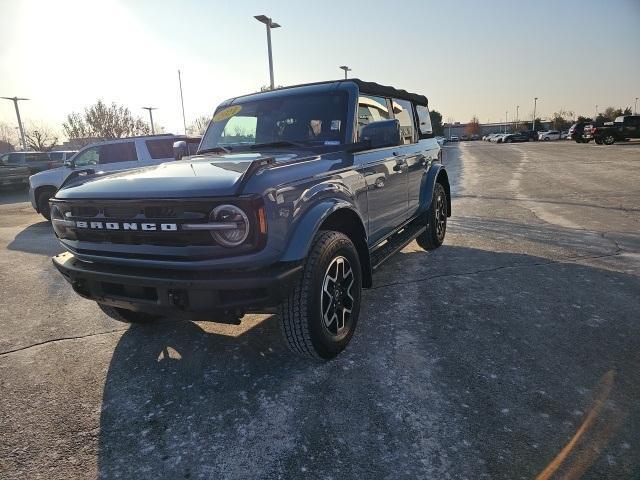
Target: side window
{"points": [[56, 156], [424, 121], [371, 109], [37, 157], [118, 152], [90, 156], [192, 145], [4, 159], [161, 148], [403, 111]]}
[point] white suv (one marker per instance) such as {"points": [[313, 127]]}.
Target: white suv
{"points": [[110, 155]]}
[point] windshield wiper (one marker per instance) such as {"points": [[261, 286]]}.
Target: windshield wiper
{"points": [[279, 143], [218, 148]]}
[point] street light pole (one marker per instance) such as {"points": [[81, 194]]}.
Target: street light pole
{"points": [[184, 121], [150, 109], [535, 104], [15, 101], [506, 120], [269, 23], [635, 107], [517, 115], [596, 114], [347, 69]]}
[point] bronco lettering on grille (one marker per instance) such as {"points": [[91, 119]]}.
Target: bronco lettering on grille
{"points": [[147, 227]]}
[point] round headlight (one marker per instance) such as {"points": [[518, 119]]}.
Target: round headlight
{"points": [[234, 216]]}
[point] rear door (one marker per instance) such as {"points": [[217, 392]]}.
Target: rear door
{"points": [[37, 161], [160, 150], [384, 172]]}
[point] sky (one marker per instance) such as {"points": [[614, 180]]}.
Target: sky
{"points": [[468, 57]]}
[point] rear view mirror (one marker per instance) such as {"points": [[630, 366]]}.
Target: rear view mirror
{"points": [[180, 149], [380, 134]]}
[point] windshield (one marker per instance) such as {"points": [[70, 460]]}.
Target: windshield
{"points": [[308, 120]]}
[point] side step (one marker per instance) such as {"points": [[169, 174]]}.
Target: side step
{"points": [[395, 243]]}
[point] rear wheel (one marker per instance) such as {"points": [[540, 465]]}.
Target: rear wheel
{"points": [[434, 235], [609, 139], [319, 317], [128, 316], [43, 202]]}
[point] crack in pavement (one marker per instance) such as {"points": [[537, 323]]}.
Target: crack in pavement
{"points": [[54, 340], [502, 267]]}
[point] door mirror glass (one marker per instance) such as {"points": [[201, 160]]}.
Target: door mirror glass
{"points": [[380, 134], [180, 149]]}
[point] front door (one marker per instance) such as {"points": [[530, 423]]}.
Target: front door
{"points": [[384, 171]]}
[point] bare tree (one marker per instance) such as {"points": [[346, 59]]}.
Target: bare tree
{"points": [[562, 119], [40, 137], [473, 127], [199, 125], [104, 121], [8, 137]]}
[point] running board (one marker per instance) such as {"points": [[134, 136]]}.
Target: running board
{"points": [[395, 243]]}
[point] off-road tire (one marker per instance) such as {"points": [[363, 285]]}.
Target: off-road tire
{"points": [[43, 203], [431, 238], [128, 316], [301, 317]]}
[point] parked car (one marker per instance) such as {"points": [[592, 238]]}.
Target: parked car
{"points": [[549, 135], [498, 137], [110, 155], [12, 174], [454, 138], [576, 132], [515, 137], [36, 161], [622, 128], [293, 213], [441, 140]]}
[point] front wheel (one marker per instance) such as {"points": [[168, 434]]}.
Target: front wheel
{"points": [[433, 236], [319, 316], [609, 140], [43, 203]]}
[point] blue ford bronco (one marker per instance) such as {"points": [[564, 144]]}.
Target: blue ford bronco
{"points": [[294, 198]]}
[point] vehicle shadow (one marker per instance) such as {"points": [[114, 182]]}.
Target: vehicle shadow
{"points": [[455, 376], [37, 238]]}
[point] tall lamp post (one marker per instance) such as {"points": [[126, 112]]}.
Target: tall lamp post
{"points": [[506, 120], [269, 23], [517, 115], [150, 109], [535, 104], [635, 107], [15, 101], [347, 69], [596, 114]]}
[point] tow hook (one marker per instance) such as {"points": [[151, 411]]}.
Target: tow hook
{"points": [[177, 298]]}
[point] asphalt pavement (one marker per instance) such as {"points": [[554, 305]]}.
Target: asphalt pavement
{"points": [[512, 352]]}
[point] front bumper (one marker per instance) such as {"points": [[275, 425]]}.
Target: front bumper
{"points": [[183, 293]]}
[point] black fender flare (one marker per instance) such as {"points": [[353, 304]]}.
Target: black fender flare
{"points": [[436, 173], [300, 240]]}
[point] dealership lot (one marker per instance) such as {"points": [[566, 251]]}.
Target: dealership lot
{"points": [[510, 352]]}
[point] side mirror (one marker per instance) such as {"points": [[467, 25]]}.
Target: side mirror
{"points": [[384, 133], [69, 164], [180, 149]]}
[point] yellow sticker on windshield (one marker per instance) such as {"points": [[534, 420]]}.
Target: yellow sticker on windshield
{"points": [[227, 113]]}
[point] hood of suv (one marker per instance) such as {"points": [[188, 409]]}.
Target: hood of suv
{"points": [[201, 176]]}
